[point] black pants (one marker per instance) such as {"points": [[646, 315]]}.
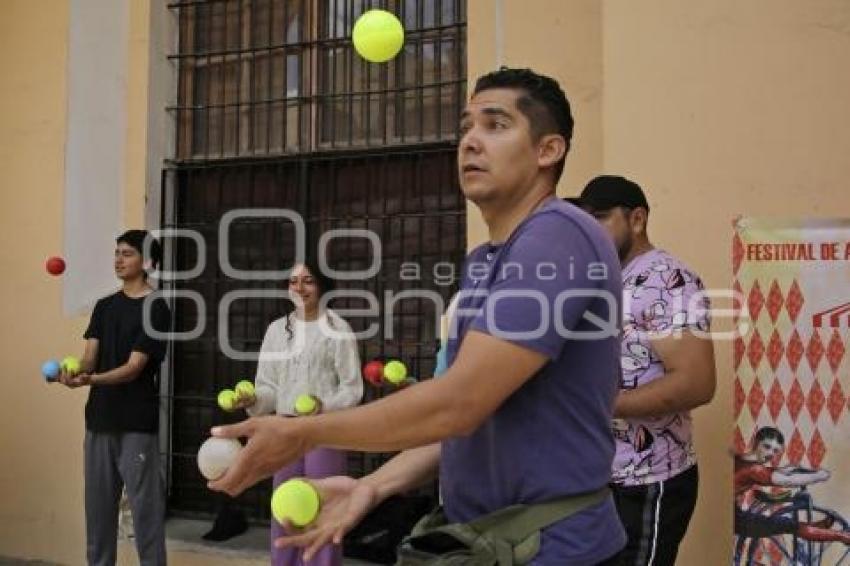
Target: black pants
{"points": [[655, 517]]}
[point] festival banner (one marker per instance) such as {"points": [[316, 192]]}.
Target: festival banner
{"points": [[791, 392]]}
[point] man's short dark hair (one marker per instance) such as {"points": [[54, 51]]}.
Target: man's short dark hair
{"points": [[543, 102], [136, 239], [768, 433], [607, 192]]}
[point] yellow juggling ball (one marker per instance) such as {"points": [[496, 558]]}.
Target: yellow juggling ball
{"points": [[378, 36]]}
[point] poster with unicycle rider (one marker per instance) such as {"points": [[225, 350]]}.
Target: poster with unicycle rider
{"points": [[791, 389]]}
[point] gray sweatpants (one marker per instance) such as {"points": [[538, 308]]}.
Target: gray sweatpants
{"points": [[113, 461]]}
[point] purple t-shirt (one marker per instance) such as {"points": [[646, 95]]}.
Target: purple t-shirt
{"points": [[660, 295], [552, 437]]}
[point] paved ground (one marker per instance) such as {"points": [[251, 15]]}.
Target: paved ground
{"points": [[185, 535], [186, 547]]}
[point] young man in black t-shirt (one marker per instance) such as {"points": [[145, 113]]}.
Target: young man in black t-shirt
{"points": [[124, 349]]}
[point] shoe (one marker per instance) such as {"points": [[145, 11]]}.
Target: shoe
{"points": [[228, 523]]}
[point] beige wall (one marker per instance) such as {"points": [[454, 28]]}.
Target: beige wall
{"points": [[718, 109], [41, 515], [41, 426], [556, 37], [138, 64]]}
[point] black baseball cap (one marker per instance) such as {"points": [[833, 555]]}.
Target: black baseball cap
{"points": [[610, 191]]}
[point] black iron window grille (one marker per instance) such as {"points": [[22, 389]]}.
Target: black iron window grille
{"points": [[274, 77], [275, 110]]}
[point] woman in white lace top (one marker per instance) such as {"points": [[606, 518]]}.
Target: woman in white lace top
{"points": [[312, 351]]}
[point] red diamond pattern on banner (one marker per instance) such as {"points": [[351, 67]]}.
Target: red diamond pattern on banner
{"points": [[835, 401], [737, 253], [738, 351], [738, 441], [815, 401], [835, 351], [755, 351], [796, 400], [794, 351], [775, 350], [817, 450], [737, 302], [755, 401], [794, 301], [740, 398], [796, 449], [775, 399], [814, 351], [774, 301], [755, 301], [752, 440]]}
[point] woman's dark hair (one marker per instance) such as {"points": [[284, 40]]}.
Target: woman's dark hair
{"points": [[324, 283]]}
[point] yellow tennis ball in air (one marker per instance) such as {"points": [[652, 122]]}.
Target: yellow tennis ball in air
{"points": [[71, 364], [395, 372], [244, 389], [378, 36], [305, 404], [296, 501], [227, 399]]}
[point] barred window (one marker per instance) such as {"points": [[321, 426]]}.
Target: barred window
{"points": [[272, 77], [276, 110]]}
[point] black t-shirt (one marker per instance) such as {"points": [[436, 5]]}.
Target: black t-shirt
{"points": [[118, 326]]}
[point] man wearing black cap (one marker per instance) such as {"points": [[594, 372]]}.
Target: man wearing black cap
{"points": [[667, 363]]}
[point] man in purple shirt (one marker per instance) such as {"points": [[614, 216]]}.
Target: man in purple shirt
{"points": [[667, 364], [522, 414]]}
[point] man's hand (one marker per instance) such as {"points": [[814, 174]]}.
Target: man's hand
{"points": [[81, 380], [345, 501], [74, 380], [273, 442]]}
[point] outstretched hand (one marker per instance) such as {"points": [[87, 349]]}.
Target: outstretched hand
{"points": [[345, 501], [74, 380], [273, 442]]}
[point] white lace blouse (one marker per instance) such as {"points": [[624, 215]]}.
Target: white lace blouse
{"points": [[320, 359]]}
